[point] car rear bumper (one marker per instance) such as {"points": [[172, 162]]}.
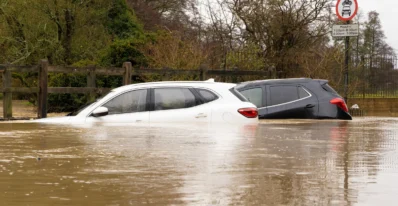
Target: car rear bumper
{"points": [[339, 114], [343, 115]]}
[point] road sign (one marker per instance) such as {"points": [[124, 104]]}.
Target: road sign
{"points": [[346, 9], [345, 30]]}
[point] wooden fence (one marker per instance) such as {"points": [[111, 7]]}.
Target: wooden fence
{"points": [[127, 71]]}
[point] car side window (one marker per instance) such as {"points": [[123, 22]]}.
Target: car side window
{"points": [[208, 96], [283, 94], [302, 93], [254, 95], [129, 102], [173, 98]]}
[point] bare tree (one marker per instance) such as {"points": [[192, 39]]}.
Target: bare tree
{"points": [[283, 28], [222, 31], [163, 14]]}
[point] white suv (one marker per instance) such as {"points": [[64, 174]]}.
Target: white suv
{"points": [[166, 102]]}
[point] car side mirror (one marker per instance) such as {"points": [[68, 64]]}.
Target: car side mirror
{"points": [[100, 111]]}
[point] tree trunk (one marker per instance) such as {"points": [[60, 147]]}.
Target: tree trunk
{"points": [[67, 43]]}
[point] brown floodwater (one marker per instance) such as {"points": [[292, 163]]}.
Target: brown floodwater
{"points": [[275, 163]]}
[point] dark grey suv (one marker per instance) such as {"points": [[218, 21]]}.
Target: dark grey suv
{"points": [[301, 98]]}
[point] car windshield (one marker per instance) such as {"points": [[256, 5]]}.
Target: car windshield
{"points": [[80, 109]]}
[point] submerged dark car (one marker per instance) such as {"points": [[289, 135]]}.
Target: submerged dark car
{"points": [[301, 98]]}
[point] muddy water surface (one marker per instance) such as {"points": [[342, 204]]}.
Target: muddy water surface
{"points": [[274, 163]]}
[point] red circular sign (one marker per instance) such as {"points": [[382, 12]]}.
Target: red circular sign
{"points": [[346, 9]]}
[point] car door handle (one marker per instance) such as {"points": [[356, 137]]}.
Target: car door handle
{"points": [[201, 115], [309, 106]]}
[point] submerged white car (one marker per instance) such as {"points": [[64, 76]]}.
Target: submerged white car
{"points": [[166, 102]]}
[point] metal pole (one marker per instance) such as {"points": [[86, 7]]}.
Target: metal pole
{"points": [[347, 62]]}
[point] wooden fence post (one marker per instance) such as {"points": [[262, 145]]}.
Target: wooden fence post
{"points": [[91, 83], [127, 73], [203, 73], [43, 84], [234, 78], [7, 95], [165, 75]]}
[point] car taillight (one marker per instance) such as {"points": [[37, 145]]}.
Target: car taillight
{"points": [[340, 103], [248, 112]]}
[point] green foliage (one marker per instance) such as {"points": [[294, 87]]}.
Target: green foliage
{"points": [[122, 21], [109, 81], [61, 31], [129, 33], [85, 63], [124, 50], [246, 58], [66, 102], [66, 32], [78, 33], [69, 102]]}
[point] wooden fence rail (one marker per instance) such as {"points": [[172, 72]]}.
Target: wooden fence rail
{"points": [[127, 71]]}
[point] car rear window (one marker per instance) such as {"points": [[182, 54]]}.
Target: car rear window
{"points": [[329, 89], [254, 95], [207, 95], [238, 95]]}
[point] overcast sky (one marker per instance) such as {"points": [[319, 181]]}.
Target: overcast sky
{"points": [[388, 16]]}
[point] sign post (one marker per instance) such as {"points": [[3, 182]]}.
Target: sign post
{"points": [[346, 66], [346, 10]]}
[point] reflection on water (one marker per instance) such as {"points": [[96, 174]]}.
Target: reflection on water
{"points": [[274, 163]]}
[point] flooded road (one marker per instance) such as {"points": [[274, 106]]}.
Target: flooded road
{"points": [[274, 163]]}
